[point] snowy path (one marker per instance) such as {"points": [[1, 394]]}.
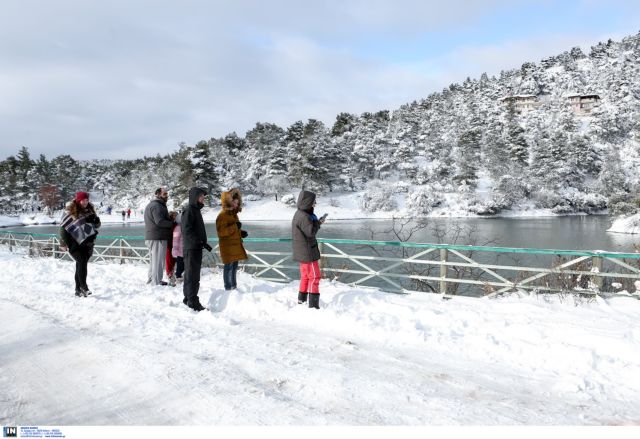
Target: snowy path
{"points": [[133, 354]]}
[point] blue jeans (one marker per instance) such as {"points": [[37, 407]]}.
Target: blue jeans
{"points": [[229, 275]]}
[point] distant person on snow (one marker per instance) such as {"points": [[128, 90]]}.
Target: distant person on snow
{"points": [[305, 226], [78, 231], [124, 213], [230, 234], [157, 233], [128, 213], [194, 239]]}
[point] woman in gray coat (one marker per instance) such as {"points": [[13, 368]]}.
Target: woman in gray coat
{"points": [[305, 226]]}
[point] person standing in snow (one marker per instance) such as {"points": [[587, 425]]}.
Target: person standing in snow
{"points": [[176, 250], [305, 226], [157, 233], [78, 231], [169, 260], [230, 234], [194, 239], [129, 213]]}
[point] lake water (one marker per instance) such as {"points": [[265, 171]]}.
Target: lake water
{"points": [[567, 233]]}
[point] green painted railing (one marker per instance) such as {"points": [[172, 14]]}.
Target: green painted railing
{"points": [[399, 266], [521, 250]]}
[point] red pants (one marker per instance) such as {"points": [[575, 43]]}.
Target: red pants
{"points": [[310, 277], [169, 262]]}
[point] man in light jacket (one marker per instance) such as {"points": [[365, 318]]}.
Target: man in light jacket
{"points": [[157, 232]]}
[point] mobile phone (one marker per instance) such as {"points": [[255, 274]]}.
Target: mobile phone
{"points": [[324, 217]]}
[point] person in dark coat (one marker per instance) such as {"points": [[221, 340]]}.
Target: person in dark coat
{"points": [[230, 234], [194, 239], [305, 225], [158, 229], [78, 231]]}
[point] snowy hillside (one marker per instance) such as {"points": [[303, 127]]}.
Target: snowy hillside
{"points": [[131, 354], [558, 135]]}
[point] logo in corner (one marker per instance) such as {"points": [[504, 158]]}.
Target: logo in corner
{"points": [[10, 431]]}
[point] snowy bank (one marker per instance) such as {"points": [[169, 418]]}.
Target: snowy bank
{"points": [[133, 354], [630, 224], [339, 206]]}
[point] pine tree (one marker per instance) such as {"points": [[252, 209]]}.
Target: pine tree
{"points": [[205, 173]]}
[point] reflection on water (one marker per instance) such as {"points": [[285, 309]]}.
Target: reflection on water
{"points": [[570, 232]]}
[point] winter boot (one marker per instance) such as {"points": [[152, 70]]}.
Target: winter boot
{"points": [[80, 293], [302, 297], [86, 291], [197, 307], [314, 300], [172, 280]]}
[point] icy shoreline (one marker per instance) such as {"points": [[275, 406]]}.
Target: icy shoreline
{"points": [[629, 224], [345, 206]]}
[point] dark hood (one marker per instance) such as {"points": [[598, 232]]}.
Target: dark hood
{"points": [[306, 200], [194, 193]]}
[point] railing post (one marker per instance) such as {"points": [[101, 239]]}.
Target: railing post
{"points": [[443, 271], [10, 243], [321, 262], [121, 251], [596, 264], [30, 245]]}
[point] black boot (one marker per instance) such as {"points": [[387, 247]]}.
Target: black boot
{"points": [[314, 301], [80, 293], [302, 297]]}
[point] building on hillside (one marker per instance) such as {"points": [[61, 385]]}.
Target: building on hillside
{"points": [[583, 104], [521, 103]]}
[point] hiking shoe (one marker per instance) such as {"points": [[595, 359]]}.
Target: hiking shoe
{"points": [[80, 293], [87, 291]]}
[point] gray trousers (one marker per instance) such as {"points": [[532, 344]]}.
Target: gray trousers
{"points": [[157, 254]]}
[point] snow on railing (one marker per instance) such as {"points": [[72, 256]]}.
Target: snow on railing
{"points": [[399, 267]]}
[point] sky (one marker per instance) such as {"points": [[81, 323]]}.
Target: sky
{"points": [[134, 78]]}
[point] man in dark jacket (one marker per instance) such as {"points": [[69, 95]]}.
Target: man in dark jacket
{"points": [[194, 239], [158, 229], [305, 226]]}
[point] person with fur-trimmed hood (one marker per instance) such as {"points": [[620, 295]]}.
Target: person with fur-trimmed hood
{"points": [[78, 231], [194, 239], [230, 234], [305, 226]]}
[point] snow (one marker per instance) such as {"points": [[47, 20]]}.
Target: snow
{"points": [[133, 354], [628, 224], [339, 206]]}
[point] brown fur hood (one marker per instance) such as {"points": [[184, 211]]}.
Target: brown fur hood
{"points": [[227, 198], [75, 209]]}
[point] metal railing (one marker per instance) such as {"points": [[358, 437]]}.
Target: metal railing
{"points": [[398, 267]]}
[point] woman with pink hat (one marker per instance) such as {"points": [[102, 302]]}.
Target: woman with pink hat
{"points": [[78, 231]]}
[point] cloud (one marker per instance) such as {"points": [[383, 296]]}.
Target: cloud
{"points": [[122, 79]]}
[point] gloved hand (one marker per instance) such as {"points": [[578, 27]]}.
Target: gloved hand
{"points": [[239, 224], [92, 219], [243, 233], [207, 247]]}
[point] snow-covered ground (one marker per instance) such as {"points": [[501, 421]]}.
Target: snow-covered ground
{"points": [[132, 354], [628, 224]]}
